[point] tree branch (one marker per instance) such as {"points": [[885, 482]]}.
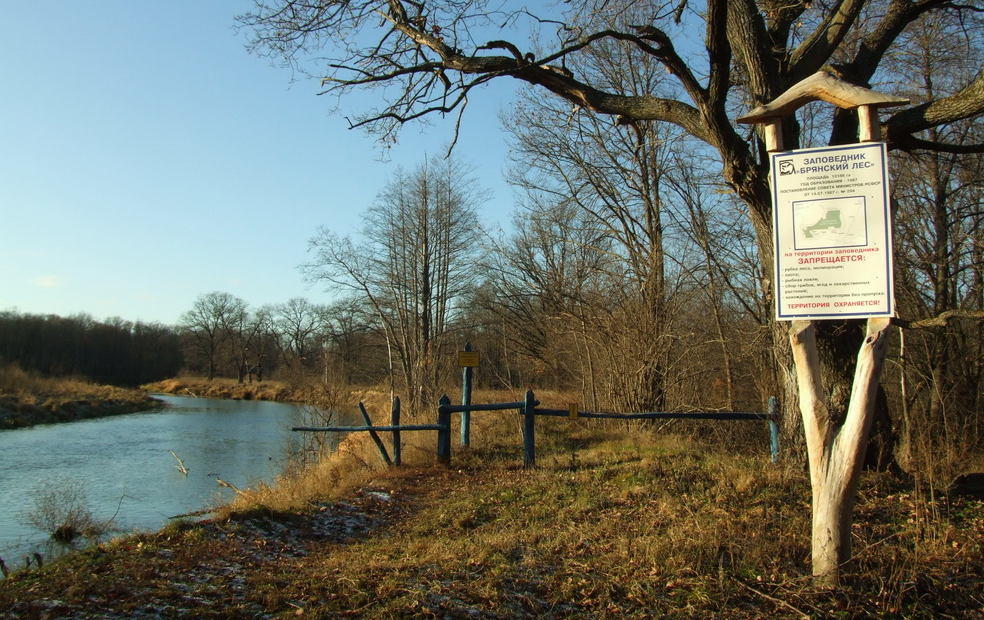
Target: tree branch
{"points": [[964, 104], [910, 143], [816, 50], [873, 47], [942, 320], [719, 52]]}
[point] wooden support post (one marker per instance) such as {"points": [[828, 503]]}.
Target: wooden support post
{"points": [[773, 135], [375, 437], [774, 428], [395, 421], [529, 444], [466, 396], [868, 128], [444, 434]]}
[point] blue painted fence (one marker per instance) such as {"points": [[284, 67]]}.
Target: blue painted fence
{"points": [[529, 409]]}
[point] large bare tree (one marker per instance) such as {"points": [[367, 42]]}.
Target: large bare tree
{"points": [[725, 56]]}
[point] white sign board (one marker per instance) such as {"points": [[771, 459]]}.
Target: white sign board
{"points": [[833, 241]]}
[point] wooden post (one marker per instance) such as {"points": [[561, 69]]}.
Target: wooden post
{"points": [[444, 434], [868, 128], [774, 428], [773, 135], [395, 420], [375, 437], [466, 396], [529, 445]]}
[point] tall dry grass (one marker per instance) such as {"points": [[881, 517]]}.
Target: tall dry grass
{"points": [[30, 395]]}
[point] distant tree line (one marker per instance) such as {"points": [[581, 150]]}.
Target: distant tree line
{"points": [[296, 341], [115, 352]]}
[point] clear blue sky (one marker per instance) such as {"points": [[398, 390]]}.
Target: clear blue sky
{"points": [[146, 158]]}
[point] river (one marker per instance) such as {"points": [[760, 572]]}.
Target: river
{"points": [[125, 470]]}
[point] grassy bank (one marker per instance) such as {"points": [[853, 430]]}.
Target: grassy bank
{"points": [[616, 522], [231, 389], [26, 400]]}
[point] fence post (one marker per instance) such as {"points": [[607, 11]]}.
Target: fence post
{"points": [[466, 396], [397, 447], [375, 437], [444, 435], [774, 428], [529, 445]]}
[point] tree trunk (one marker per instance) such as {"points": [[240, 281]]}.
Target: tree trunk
{"points": [[836, 451], [832, 517]]}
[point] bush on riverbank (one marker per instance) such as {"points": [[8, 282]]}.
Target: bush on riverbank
{"points": [[26, 399]]}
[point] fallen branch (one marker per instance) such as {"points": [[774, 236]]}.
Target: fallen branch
{"points": [[778, 601], [180, 466], [223, 483], [194, 513]]}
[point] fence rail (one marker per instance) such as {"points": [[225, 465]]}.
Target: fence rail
{"points": [[658, 415], [529, 409], [352, 429], [449, 408]]}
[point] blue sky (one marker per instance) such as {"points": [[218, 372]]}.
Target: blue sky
{"points": [[146, 158]]}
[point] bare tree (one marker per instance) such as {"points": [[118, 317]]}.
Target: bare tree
{"points": [[297, 323], [351, 346], [205, 327], [411, 265], [539, 279], [939, 247]]}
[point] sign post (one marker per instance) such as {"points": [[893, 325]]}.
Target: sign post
{"points": [[467, 360], [833, 260]]}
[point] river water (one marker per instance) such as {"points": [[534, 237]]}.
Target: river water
{"points": [[124, 468]]}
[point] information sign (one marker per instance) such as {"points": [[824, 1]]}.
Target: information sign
{"points": [[468, 359], [833, 241]]}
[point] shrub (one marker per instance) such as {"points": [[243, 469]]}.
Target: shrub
{"points": [[61, 510]]}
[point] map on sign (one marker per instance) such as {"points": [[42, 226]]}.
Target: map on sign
{"points": [[830, 223]]}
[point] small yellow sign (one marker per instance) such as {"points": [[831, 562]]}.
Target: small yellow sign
{"points": [[468, 359], [572, 411]]}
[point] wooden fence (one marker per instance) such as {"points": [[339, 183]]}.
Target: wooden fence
{"points": [[529, 409]]}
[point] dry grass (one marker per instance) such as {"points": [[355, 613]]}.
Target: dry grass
{"points": [[225, 388], [611, 524], [27, 399], [617, 525]]}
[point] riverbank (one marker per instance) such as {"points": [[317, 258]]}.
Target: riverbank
{"points": [[610, 525], [27, 400], [230, 389]]}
